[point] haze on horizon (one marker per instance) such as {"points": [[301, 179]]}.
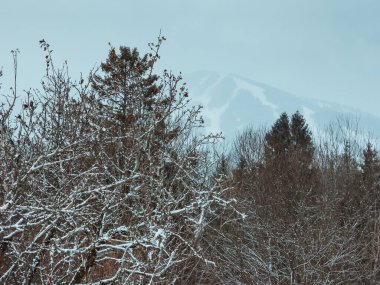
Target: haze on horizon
{"points": [[327, 50]]}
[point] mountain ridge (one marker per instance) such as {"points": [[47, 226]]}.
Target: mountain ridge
{"points": [[232, 102]]}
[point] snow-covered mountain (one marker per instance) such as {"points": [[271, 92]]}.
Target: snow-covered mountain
{"points": [[232, 102]]}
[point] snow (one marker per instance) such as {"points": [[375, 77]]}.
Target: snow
{"points": [[272, 101]]}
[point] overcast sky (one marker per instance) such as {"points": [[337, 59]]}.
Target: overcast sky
{"points": [[322, 49]]}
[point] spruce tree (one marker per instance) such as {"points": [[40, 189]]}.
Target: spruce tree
{"points": [[300, 133], [287, 174], [301, 139], [278, 140], [286, 138], [370, 168]]}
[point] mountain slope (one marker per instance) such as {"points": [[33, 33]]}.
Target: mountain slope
{"points": [[232, 102]]}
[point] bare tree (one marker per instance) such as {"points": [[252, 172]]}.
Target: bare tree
{"points": [[103, 181]]}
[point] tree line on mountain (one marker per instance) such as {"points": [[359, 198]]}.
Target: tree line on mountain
{"points": [[107, 180]]}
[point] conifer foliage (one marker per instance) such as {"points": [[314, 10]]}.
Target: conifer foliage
{"points": [[313, 207], [107, 180], [103, 181], [288, 158], [278, 140], [286, 138], [371, 169]]}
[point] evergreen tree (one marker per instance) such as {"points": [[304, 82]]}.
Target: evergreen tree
{"points": [[348, 182], [287, 175], [240, 173], [287, 138], [106, 182], [300, 133], [222, 167], [301, 138], [278, 140], [126, 74], [370, 168]]}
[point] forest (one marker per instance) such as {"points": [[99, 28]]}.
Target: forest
{"points": [[108, 179]]}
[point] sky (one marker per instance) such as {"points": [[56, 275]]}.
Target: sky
{"points": [[325, 49]]}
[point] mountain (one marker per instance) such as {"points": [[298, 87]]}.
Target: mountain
{"points": [[231, 103]]}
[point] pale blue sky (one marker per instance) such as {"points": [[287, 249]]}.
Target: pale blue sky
{"points": [[323, 49]]}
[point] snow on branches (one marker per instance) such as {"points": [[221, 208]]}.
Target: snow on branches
{"points": [[105, 181]]}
